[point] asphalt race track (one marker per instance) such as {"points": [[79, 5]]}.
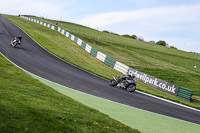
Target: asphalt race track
{"points": [[36, 60]]}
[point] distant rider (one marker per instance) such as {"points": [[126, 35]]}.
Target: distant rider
{"points": [[16, 40]]}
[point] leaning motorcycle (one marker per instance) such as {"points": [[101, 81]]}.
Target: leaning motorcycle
{"points": [[128, 84], [15, 42]]}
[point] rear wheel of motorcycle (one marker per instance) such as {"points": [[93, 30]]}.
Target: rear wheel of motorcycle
{"points": [[131, 88], [112, 82]]}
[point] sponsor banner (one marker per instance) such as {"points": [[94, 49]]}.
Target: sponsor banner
{"points": [[154, 82]]}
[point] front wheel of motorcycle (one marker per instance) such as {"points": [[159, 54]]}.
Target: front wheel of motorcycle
{"points": [[11, 43], [112, 82], [131, 88]]}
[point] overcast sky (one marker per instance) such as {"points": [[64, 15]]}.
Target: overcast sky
{"points": [[175, 21]]}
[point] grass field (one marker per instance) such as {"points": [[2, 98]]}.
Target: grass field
{"points": [[27, 105], [170, 55], [69, 51]]}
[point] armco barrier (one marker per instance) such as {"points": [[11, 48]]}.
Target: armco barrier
{"points": [[101, 56], [93, 52], [180, 92], [83, 45], [110, 61], [79, 42], [184, 93], [76, 39], [88, 48], [121, 67]]}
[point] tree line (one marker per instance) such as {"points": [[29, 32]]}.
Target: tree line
{"points": [[161, 42]]}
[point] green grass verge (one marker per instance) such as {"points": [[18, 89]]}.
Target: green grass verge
{"points": [[144, 121], [27, 105], [69, 51]]}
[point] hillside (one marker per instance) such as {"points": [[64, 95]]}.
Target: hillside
{"points": [[169, 64]]}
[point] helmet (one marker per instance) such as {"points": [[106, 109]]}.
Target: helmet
{"points": [[19, 37], [129, 76]]}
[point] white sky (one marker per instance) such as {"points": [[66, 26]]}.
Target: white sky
{"points": [[175, 21]]}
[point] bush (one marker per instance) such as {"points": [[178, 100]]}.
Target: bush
{"points": [[153, 42], [106, 31], [173, 47], [128, 36], [162, 43], [114, 33], [140, 39]]}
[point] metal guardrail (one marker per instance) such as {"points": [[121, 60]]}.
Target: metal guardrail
{"points": [[184, 93]]}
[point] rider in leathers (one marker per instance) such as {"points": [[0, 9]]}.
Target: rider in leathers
{"points": [[124, 78], [17, 40]]}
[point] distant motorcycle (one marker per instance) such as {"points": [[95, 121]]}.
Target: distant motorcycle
{"points": [[127, 82], [16, 41]]}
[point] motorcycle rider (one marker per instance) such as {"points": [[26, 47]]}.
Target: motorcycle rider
{"points": [[16, 40], [126, 82], [127, 77]]}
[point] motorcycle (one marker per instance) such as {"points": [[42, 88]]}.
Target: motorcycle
{"points": [[126, 83], [16, 41]]}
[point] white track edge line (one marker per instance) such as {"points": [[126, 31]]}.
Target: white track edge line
{"points": [[166, 100]]}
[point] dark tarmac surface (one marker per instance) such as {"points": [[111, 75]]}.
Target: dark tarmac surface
{"points": [[38, 61]]}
